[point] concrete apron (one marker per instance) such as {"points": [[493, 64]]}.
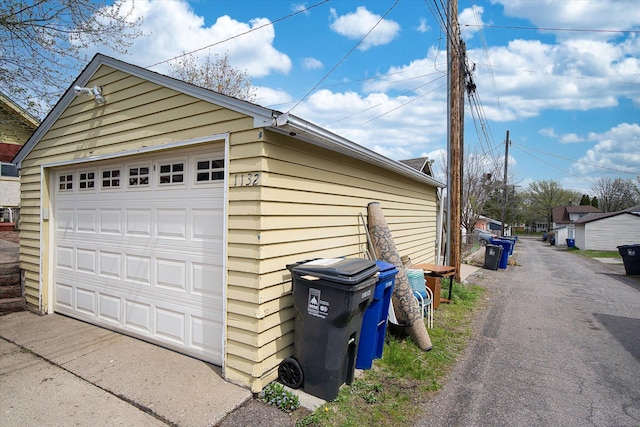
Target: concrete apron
{"points": [[54, 369]]}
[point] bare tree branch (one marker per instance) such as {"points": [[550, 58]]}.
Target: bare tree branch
{"points": [[214, 73], [41, 41]]}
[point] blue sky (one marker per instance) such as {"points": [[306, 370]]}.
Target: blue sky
{"points": [[570, 99]]}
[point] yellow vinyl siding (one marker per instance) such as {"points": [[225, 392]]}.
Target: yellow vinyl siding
{"points": [[308, 205], [306, 202]]}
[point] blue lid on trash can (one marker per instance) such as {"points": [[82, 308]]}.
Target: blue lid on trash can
{"points": [[384, 266]]}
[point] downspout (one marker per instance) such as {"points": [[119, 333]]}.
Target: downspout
{"points": [[439, 220]]}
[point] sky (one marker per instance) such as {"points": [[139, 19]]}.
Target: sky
{"points": [[561, 76]]}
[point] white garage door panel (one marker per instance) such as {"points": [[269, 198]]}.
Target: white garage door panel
{"points": [[144, 261]]}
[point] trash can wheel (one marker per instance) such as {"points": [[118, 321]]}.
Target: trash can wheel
{"points": [[290, 373]]}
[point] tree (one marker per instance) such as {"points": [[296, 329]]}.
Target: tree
{"points": [[478, 184], [585, 201], [594, 202], [616, 194], [215, 73], [41, 43], [546, 195]]}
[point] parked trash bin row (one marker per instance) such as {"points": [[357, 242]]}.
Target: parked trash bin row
{"points": [[498, 251], [341, 309]]}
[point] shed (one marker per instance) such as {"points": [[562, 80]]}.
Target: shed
{"points": [[169, 212], [607, 231]]}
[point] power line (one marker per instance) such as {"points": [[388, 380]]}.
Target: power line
{"points": [[344, 58], [556, 167], [406, 103], [579, 30], [399, 95], [242, 34], [576, 161], [561, 76]]}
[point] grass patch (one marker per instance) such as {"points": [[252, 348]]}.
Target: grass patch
{"points": [[599, 254], [387, 394]]}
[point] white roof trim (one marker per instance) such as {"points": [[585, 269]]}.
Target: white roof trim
{"points": [[303, 130], [261, 116], [284, 123]]}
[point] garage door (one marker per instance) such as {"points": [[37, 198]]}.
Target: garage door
{"points": [[138, 248]]}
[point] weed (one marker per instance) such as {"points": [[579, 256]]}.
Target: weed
{"points": [[387, 394], [276, 395]]}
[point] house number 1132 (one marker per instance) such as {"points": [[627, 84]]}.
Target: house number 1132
{"points": [[248, 179]]}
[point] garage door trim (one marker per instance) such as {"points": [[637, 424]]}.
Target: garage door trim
{"points": [[47, 246]]}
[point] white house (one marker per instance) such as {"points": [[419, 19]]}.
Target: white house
{"points": [[607, 231]]}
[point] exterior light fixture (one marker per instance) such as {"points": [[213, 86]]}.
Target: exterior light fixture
{"points": [[95, 91]]}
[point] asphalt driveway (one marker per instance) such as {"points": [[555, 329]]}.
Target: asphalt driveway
{"points": [[558, 344]]}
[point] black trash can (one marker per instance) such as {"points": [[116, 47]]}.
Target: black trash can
{"points": [[330, 298], [492, 256], [631, 258]]}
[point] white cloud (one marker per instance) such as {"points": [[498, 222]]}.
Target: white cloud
{"points": [[392, 126], [548, 132], [311, 64], [423, 27], [357, 24], [596, 15], [527, 77], [172, 27], [617, 149], [470, 20], [299, 7], [570, 138], [272, 98]]}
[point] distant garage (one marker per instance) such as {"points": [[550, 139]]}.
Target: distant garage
{"points": [[138, 247]]}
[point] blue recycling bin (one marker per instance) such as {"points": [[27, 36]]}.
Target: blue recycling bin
{"points": [[513, 240], [374, 321], [571, 243], [506, 249]]}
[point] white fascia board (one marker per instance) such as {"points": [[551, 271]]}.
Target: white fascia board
{"points": [[261, 116], [291, 125]]}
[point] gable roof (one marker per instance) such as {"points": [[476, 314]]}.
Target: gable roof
{"points": [[635, 211], [277, 121], [422, 164], [23, 116], [560, 215], [581, 209]]}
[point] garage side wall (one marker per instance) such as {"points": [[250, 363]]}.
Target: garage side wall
{"points": [[607, 234], [311, 202], [137, 114]]}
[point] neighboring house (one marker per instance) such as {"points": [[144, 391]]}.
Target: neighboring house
{"points": [[491, 225], [563, 219], [169, 212], [607, 231], [540, 226], [422, 164], [564, 215], [16, 126]]}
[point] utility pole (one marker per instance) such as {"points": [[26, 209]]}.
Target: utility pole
{"points": [[504, 183], [454, 178]]}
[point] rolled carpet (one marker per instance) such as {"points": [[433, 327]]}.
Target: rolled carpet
{"points": [[405, 305]]}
